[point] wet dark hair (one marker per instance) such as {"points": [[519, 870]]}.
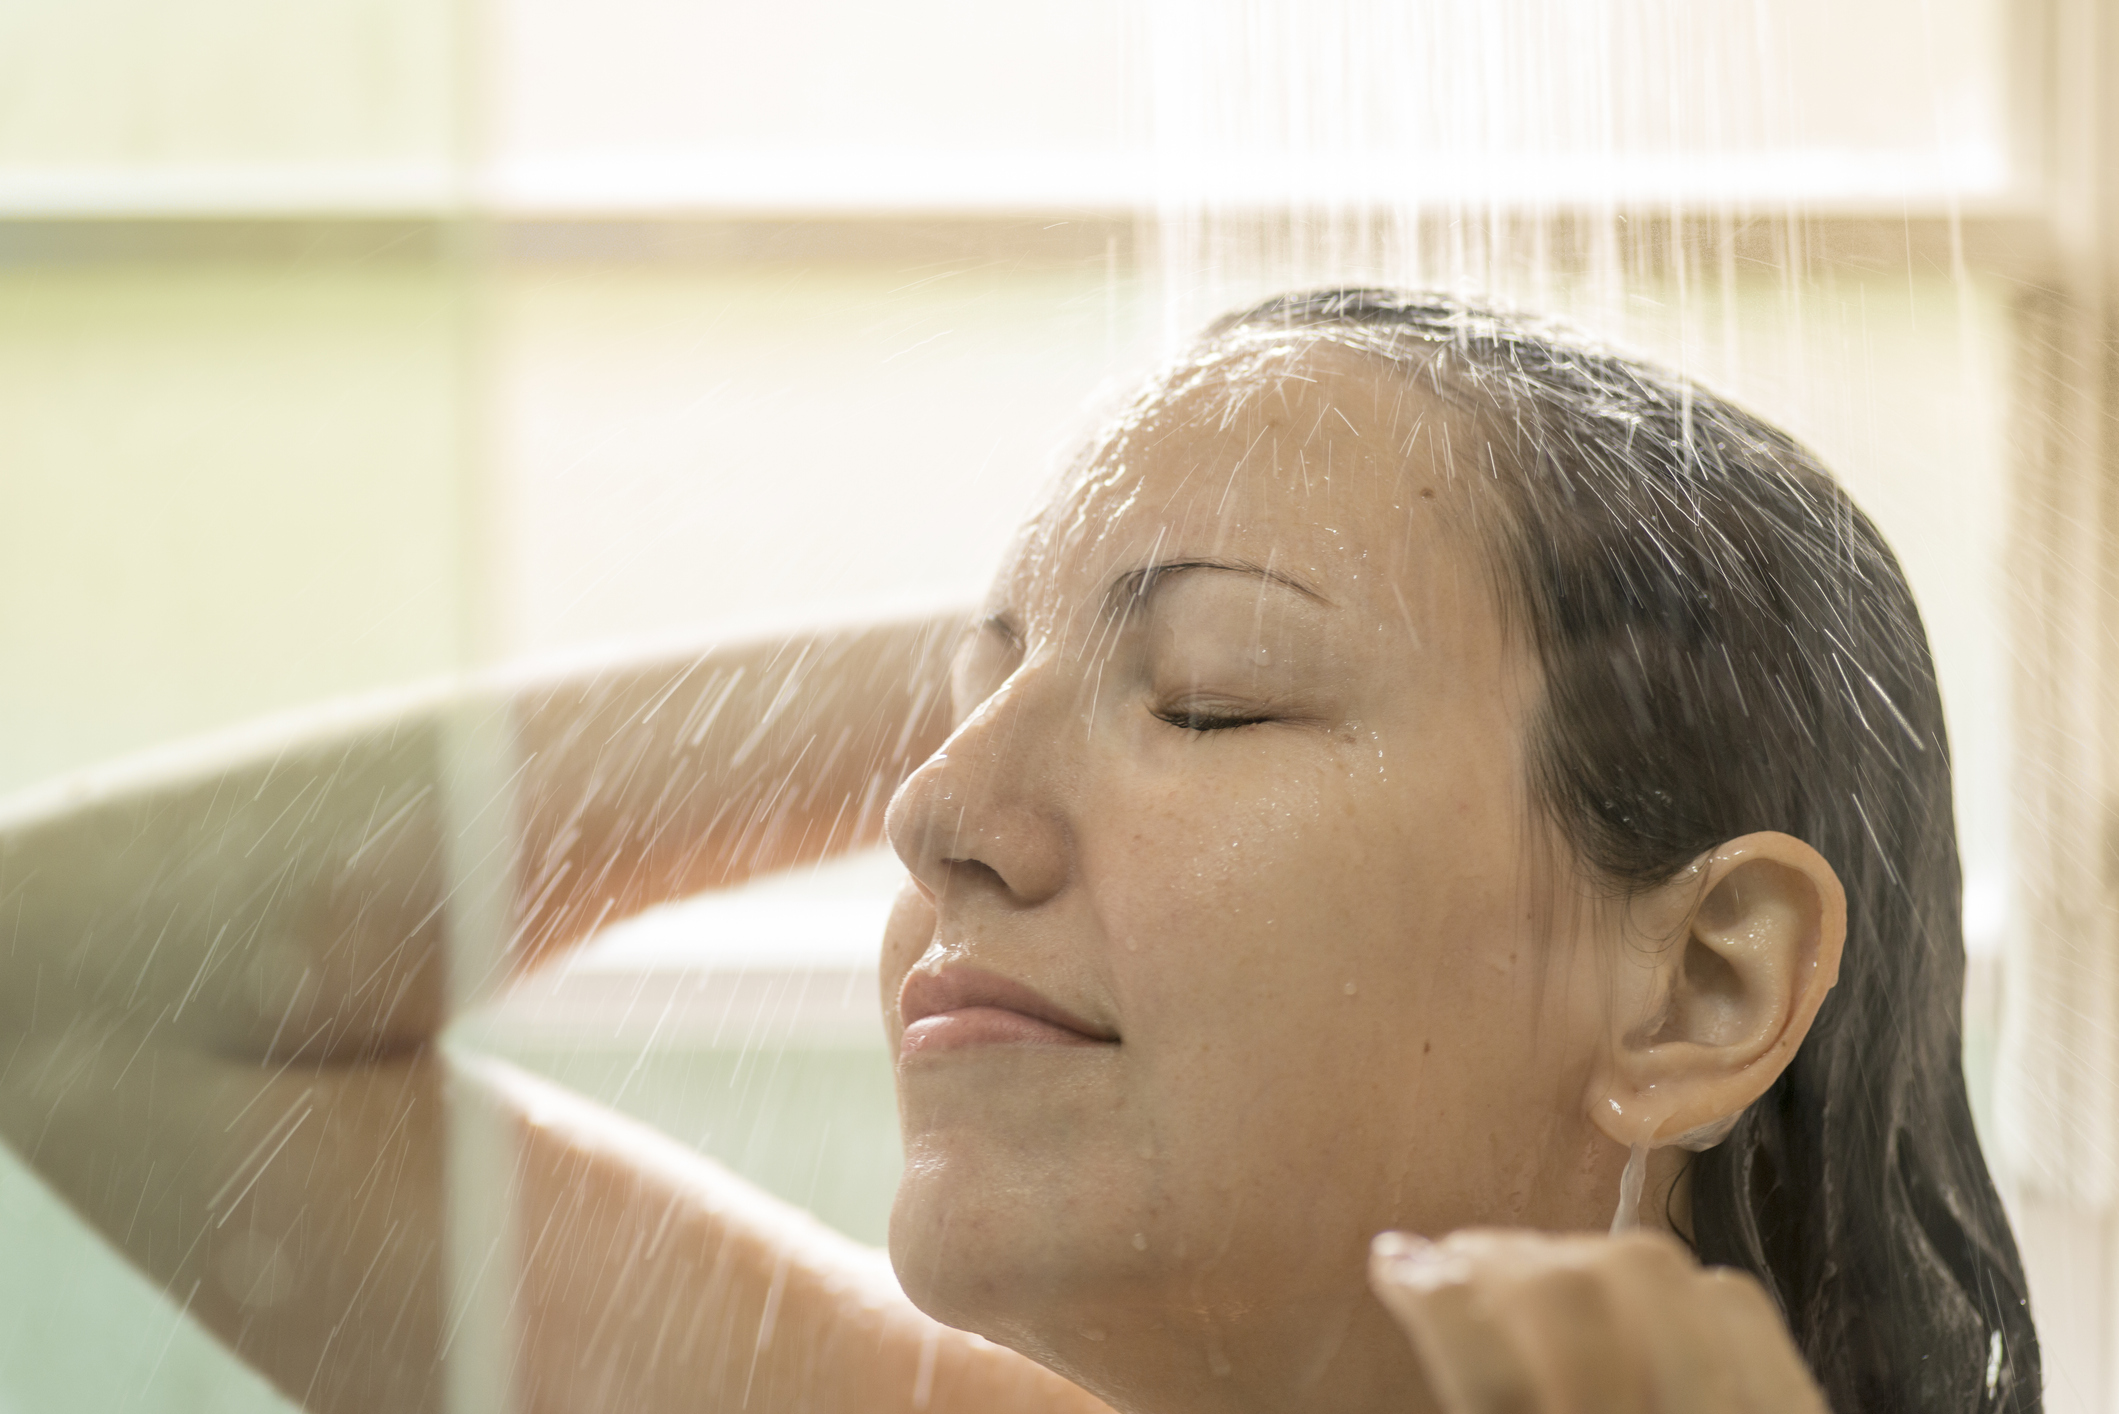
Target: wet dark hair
{"points": [[1729, 646]]}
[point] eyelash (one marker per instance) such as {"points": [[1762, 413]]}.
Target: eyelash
{"points": [[1207, 721]]}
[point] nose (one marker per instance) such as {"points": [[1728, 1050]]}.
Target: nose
{"points": [[984, 816]]}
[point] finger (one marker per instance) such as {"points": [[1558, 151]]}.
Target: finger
{"points": [[1677, 1338], [1471, 1364], [1712, 1340], [1571, 1321], [1759, 1353], [1562, 1308]]}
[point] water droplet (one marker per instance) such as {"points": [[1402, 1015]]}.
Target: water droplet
{"points": [[1140, 1242]]}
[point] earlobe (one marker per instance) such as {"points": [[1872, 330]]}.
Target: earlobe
{"points": [[1734, 990]]}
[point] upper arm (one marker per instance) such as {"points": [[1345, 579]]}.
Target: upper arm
{"points": [[661, 779], [297, 1212], [654, 1280], [311, 899]]}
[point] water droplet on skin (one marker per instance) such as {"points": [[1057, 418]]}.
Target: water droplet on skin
{"points": [[1350, 989], [1094, 1333], [1140, 1242]]}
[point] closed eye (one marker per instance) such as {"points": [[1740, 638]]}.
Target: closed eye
{"points": [[1201, 720]]}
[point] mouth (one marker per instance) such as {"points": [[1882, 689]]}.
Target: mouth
{"points": [[961, 1007]]}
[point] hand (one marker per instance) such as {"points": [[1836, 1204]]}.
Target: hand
{"points": [[1513, 1322]]}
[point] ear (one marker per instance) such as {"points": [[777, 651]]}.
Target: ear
{"points": [[1726, 967]]}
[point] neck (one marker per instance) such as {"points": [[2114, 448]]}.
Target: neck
{"points": [[1338, 1354]]}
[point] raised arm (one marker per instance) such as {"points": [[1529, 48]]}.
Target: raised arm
{"points": [[221, 980], [288, 895], [657, 780]]}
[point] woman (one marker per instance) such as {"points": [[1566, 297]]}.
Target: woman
{"points": [[1421, 773]]}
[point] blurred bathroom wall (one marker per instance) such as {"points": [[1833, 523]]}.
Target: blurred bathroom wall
{"points": [[355, 342], [232, 413], [229, 108]]}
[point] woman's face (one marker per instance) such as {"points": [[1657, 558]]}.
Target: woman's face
{"points": [[1230, 941]]}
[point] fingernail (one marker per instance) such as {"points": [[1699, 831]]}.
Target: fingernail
{"points": [[1408, 1259], [1386, 1245]]}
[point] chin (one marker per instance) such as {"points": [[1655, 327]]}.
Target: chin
{"points": [[983, 1246], [1020, 1190], [1019, 1247], [1046, 1264]]}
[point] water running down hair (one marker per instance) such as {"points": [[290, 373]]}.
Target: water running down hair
{"points": [[1728, 646]]}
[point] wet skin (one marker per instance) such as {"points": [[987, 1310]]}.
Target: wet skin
{"points": [[1237, 796]]}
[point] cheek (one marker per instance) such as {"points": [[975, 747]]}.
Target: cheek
{"points": [[1239, 904], [1283, 942], [1182, 855], [1325, 872]]}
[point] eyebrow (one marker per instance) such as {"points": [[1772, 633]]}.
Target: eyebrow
{"points": [[1130, 588]]}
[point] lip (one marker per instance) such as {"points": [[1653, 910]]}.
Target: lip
{"points": [[960, 1007]]}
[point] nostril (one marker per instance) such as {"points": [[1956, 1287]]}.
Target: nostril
{"points": [[976, 870]]}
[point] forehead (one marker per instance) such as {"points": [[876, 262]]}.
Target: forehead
{"points": [[1287, 452]]}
